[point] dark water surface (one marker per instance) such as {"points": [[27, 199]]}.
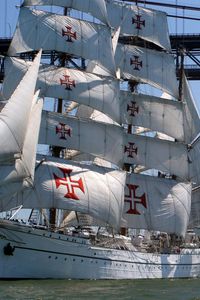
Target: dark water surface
{"points": [[179, 289]]}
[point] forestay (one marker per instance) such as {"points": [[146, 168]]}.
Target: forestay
{"points": [[149, 66], [155, 113], [93, 190], [38, 29], [96, 8], [157, 204], [100, 93], [147, 24]]}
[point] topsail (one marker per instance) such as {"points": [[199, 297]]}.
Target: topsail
{"points": [[147, 66], [38, 29], [147, 24]]}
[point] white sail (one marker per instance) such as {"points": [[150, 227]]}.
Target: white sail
{"points": [[157, 114], [140, 22], [157, 204], [110, 142], [32, 135], [100, 93], [17, 176], [38, 29], [194, 165], [14, 117], [149, 66], [195, 208], [191, 114], [96, 8], [163, 155], [19, 115], [93, 190], [87, 136]]}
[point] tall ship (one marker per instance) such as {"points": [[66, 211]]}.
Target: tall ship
{"points": [[115, 193]]}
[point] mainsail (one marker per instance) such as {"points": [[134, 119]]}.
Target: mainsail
{"points": [[88, 189], [160, 204]]}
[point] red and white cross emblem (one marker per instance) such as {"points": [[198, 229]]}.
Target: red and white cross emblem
{"points": [[138, 22], [68, 83], [137, 64], [133, 108], [70, 184], [63, 130], [130, 149], [134, 200], [69, 34]]}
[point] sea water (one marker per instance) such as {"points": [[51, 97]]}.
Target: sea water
{"points": [[176, 289]]}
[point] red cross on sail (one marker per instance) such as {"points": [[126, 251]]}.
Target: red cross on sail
{"points": [[134, 200], [130, 149], [69, 34], [70, 184], [68, 83], [64, 130], [138, 22], [133, 108], [137, 64]]}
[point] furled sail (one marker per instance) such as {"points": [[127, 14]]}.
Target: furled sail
{"points": [[149, 66], [38, 29], [140, 22], [93, 190], [100, 93], [110, 142], [155, 113], [96, 8], [12, 129], [157, 204]]}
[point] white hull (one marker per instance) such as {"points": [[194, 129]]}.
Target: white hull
{"points": [[42, 254]]}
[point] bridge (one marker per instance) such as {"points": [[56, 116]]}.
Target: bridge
{"points": [[187, 45]]}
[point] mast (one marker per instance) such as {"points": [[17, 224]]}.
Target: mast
{"points": [[56, 149], [181, 73]]}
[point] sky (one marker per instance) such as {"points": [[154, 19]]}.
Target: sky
{"points": [[9, 14]]}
